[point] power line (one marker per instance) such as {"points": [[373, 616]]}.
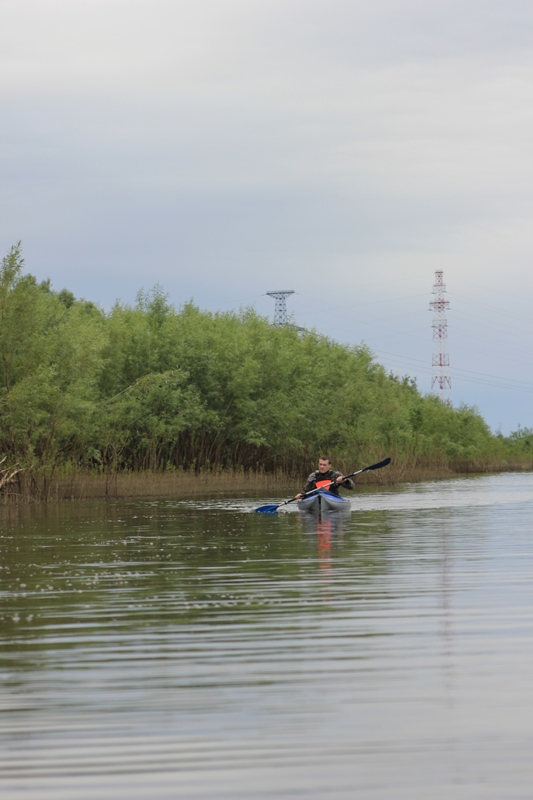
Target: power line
{"points": [[462, 374]]}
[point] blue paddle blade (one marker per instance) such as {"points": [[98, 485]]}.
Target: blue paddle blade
{"points": [[266, 510]]}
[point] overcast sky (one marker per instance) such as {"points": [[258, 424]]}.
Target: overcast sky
{"points": [[342, 149]]}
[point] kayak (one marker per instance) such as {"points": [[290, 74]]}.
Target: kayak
{"points": [[324, 501]]}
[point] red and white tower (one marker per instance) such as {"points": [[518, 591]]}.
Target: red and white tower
{"points": [[441, 359]]}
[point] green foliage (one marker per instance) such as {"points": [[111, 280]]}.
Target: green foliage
{"points": [[523, 441], [50, 359], [152, 387]]}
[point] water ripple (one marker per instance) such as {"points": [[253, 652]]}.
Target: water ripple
{"points": [[195, 649]]}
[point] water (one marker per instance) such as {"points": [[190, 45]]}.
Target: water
{"points": [[196, 649]]}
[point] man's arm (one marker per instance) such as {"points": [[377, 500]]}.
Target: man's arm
{"points": [[346, 483]]}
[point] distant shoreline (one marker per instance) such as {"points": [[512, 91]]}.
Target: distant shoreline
{"points": [[83, 485]]}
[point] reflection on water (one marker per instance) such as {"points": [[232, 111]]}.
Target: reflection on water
{"points": [[197, 649]]}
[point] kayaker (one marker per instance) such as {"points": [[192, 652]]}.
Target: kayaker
{"points": [[322, 476]]}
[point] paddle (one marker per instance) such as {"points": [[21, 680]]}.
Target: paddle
{"points": [[273, 508]]}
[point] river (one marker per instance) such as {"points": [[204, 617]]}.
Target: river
{"points": [[196, 649]]}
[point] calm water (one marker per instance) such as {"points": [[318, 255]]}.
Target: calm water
{"points": [[198, 650]]}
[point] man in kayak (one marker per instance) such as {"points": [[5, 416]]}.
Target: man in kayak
{"points": [[322, 476]]}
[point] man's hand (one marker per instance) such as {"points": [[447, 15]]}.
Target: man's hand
{"points": [[340, 479]]}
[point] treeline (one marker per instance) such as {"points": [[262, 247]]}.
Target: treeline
{"points": [[150, 387]]}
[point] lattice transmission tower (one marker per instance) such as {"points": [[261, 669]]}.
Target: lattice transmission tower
{"points": [[280, 310], [441, 359]]}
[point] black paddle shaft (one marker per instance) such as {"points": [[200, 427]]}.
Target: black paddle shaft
{"points": [[372, 466]]}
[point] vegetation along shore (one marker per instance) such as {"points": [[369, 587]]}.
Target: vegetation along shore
{"points": [[150, 400]]}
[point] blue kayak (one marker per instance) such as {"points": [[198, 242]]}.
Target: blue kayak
{"points": [[324, 501]]}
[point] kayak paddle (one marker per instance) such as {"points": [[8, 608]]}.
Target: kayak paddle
{"points": [[273, 508]]}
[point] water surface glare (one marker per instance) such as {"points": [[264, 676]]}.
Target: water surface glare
{"points": [[195, 649]]}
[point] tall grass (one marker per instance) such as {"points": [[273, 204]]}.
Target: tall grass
{"points": [[84, 485]]}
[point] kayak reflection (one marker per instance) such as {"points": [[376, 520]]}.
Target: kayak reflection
{"points": [[325, 522], [329, 531]]}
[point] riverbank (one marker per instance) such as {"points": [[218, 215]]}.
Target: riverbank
{"points": [[162, 394], [29, 488]]}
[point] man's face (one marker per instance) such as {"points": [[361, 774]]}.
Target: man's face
{"points": [[323, 465]]}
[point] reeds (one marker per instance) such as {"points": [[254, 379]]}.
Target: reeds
{"points": [[86, 485]]}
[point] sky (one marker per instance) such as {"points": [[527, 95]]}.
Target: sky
{"points": [[344, 150]]}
